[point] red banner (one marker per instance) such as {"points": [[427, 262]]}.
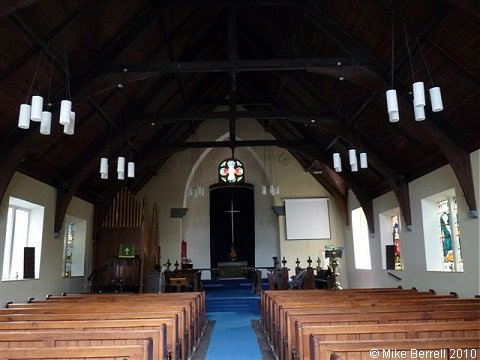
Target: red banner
{"points": [[184, 249]]}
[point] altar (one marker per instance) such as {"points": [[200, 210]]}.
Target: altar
{"points": [[232, 270]]}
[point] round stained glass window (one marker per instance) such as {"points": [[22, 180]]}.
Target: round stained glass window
{"points": [[231, 171]]}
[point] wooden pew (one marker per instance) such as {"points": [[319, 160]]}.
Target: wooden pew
{"points": [[282, 303], [179, 335], [101, 325], [127, 352], [277, 323], [22, 339], [399, 331], [268, 299], [195, 300], [405, 349], [120, 306], [301, 325], [448, 311]]}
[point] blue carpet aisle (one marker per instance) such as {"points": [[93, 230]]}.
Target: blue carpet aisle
{"points": [[233, 306]]}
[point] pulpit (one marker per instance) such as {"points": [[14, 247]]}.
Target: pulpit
{"points": [[232, 270]]}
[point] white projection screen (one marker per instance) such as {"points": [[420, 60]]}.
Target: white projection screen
{"points": [[307, 219]]}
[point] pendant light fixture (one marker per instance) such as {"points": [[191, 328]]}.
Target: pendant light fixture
{"points": [[418, 87], [104, 168], [337, 162], [121, 168], [131, 169], [35, 111], [269, 170]]}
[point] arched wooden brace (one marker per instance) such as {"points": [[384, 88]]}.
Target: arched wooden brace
{"points": [[10, 161], [363, 197], [398, 186], [456, 155], [328, 181], [459, 160], [87, 168]]}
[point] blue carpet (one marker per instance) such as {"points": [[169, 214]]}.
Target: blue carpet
{"points": [[233, 306]]}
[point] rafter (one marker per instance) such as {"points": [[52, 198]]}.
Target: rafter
{"points": [[10, 6], [235, 65], [121, 135], [324, 24]]}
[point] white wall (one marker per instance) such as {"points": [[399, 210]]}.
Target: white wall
{"points": [[51, 265], [168, 191], [466, 284]]}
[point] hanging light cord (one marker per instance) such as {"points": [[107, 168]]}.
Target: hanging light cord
{"points": [[392, 65], [50, 76], [67, 80], [424, 61], [34, 77], [408, 51]]}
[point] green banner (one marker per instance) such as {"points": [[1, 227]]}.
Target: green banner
{"points": [[126, 251]]}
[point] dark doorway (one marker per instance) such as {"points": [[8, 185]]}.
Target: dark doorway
{"points": [[224, 199]]}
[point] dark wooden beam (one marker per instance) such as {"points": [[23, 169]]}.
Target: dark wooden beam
{"points": [[412, 28], [471, 6], [399, 188], [284, 64], [226, 3], [232, 57], [34, 35], [168, 41], [259, 114], [324, 24], [8, 7], [123, 134], [459, 160]]}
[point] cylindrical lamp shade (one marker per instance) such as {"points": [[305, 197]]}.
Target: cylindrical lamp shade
{"points": [[352, 155], [392, 101], [37, 107], [418, 94], [24, 116], [46, 123], [354, 167], [419, 113], [121, 164], [65, 110], [131, 169], [120, 175], [363, 160], [394, 117], [272, 190], [70, 128], [277, 190], [436, 99], [104, 168], [337, 163], [264, 190]]}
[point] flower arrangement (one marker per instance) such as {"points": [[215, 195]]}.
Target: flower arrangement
{"points": [[233, 254]]}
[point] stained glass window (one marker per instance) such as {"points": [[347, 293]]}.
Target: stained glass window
{"points": [[67, 271], [231, 171], [396, 242], [449, 231]]}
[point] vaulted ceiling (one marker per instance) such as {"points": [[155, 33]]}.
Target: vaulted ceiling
{"points": [[143, 75]]}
